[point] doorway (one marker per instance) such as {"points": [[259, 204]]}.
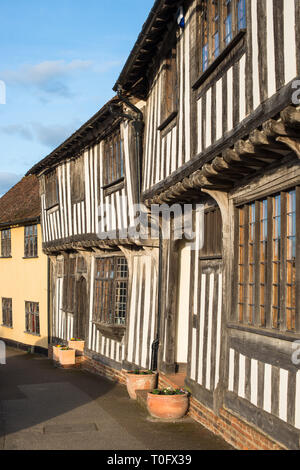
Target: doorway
{"points": [[81, 308]]}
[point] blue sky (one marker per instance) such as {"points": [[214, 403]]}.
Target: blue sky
{"points": [[59, 62]]}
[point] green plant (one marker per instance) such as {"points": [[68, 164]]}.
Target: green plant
{"points": [[141, 372], [169, 391]]}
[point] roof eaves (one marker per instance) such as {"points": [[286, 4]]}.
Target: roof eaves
{"points": [[144, 34]]}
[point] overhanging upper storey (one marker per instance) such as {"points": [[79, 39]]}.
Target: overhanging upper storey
{"points": [[90, 182], [133, 77]]}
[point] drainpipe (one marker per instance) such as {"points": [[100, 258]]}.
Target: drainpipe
{"points": [[138, 125], [156, 342], [48, 298]]}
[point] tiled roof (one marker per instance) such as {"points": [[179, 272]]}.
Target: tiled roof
{"points": [[21, 202]]}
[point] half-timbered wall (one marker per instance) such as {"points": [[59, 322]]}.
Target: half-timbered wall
{"points": [[253, 70], [262, 377], [69, 219], [206, 306], [142, 310], [168, 149], [263, 383], [135, 347]]}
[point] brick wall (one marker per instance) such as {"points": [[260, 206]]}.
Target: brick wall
{"points": [[96, 367], [231, 428]]}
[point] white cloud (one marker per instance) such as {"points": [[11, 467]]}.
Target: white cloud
{"points": [[53, 135], [7, 181], [17, 129], [46, 76], [50, 135], [41, 73]]}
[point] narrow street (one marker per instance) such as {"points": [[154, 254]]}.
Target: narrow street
{"points": [[46, 408]]}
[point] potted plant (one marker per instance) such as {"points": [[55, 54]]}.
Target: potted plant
{"points": [[168, 403], [77, 344], [64, 355], [55, 354], [140, 380]]}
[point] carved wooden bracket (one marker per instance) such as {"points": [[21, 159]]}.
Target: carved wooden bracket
{"points": [[262, 147]]}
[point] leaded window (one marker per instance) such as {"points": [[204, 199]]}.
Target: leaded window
{"points": [[228, 21], [241, 14], [30, 241], [32, 317], [220, 21], [267, 262], [6, 243], [7, 312], [110, 294]]}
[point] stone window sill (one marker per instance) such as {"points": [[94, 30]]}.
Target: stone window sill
{"points": [[32, 334]]}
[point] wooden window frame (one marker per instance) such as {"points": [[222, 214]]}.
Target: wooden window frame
{"points": [[6, 243], [32, 318], [111, 295], [69, 284], [275, 264], [51, 190], [77, 180], [113, 159], [169, 104], [214, 18], [212, 248], [81, 265], [31, 241], [7, 319]]}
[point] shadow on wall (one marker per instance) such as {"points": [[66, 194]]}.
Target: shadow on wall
{"points": [[38, 347]]}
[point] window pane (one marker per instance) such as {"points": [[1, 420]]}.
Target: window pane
{"points": [[32, 320], [228, 21], [263, 257], [110, 297], [241, 14], [291, 261], [276, 261]]}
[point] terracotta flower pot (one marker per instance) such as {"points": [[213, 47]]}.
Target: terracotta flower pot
{"points": [[55, 354], [167, 406], [77, 345], [140, 382], [67, 357]]}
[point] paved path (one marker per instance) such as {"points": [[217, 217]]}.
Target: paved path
{"points": [[42, 407]]}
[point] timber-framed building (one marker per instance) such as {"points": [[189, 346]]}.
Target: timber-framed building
{"points": [[216, 91]]}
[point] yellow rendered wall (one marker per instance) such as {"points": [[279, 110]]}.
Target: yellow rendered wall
{"points": [[24, 280]]}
